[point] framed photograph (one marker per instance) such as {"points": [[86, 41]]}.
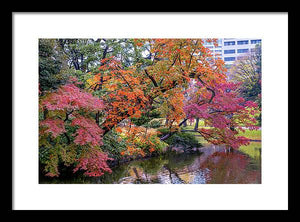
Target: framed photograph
{"points": [[159, 111]]}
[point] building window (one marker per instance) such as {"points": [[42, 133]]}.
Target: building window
{"points": [[242, 50], [229, 51], [228, 59], [256, 41], [229, 43], [244, 42]]}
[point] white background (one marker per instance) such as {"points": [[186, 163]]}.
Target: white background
{"points": [[272, 194]]}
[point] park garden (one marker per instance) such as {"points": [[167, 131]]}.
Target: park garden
{"points": [[147, 111]]}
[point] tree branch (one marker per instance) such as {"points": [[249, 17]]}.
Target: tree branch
{"points": [[150, 77], [210, 100]]}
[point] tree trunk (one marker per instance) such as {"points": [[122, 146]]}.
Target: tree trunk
{"points": [[197, 124], [97, 117]]}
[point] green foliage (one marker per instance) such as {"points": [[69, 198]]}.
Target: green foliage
{"points": [[258, 118], [248, 72], [163, 131], [50, 65], [44, 153], [113, 144], [250, 90], [61, 58], [185, 139], [146, 118], [158, 144], [53, 152]]}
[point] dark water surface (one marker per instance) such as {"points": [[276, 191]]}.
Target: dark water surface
{"points": [[209, 165]]}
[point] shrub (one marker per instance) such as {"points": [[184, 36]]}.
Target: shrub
{"points": [[163, 131], [187, 140], [113, 144], [184, 139]]}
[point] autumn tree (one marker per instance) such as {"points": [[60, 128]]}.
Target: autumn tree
{"points": [[174, 63], [179, 78], [226, 114], [68, 132], [69, 114]]}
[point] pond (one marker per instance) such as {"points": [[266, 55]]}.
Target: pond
{"points": [[207, 165]]}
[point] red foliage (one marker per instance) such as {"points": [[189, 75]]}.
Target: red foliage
{"points": [[94, 163], [70, 97], [55, 126], [88, 132], [71, 106], [224, 113]]}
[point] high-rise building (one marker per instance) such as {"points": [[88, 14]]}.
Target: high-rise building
{"points": [[234, 49]]}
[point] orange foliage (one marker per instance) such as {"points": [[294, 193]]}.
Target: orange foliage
{"points": [[139, 140], [132, 90]]}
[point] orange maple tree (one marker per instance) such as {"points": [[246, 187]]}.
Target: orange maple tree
{"points": [[181, 77], [133, 90], [175, 63]]}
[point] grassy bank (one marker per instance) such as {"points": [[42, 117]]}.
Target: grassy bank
{"points": [[253, 150], [251, 134]]}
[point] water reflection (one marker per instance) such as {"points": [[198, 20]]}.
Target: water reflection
{"points": [[210, 165]]}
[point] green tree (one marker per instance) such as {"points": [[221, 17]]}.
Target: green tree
{"points": [[247, 71], [83, 56], [51, 62]]}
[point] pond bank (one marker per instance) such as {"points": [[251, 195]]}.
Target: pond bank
{"points": [[209, 164], [177, 149], [205, 165]]}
